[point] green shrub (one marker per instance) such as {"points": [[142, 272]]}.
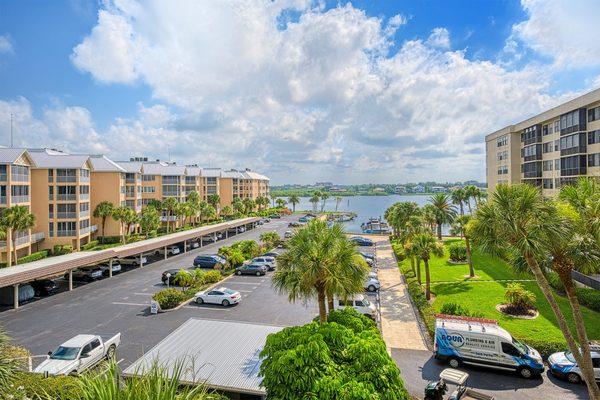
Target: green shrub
{"points": [[152, 234], [555, 282], [61, 249], [458, 252], [35, 386], [518, 297], [589, 298], [169, 298], [33, 257], [350, 318], [398, 251], [212, 276], [454, 309], [90, 245], [110, 239]]}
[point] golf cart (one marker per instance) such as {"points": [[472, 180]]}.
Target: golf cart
{"points": [[436, 390]]}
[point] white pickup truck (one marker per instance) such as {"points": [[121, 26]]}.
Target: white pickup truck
{"points": [[79, 354]]}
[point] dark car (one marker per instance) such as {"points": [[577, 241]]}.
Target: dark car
{"points": [[271, 254], [361, 241], [294, 224], [275, 216], [368, 256], [44, 287], [251, 269], [213, 261], [169, 275]]}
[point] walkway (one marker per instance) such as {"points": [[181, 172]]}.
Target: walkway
{"points": [[399, 323]]}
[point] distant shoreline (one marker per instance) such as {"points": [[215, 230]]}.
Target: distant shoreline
{"points": [[333, 195]]}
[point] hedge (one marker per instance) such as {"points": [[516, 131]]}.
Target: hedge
{"points": [[589, 298], [90, 245], [35, 386], [61, 249], [169, 298], [34, 256], [458, 252]]}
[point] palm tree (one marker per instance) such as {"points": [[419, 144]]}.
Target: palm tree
{"points": [[338, 200], [426, 245], [119, 214], [273, 197], [462, 223], [320, 262], [429, 212], [130, 218], [444, 211], [103, 210], [226, 211], [293, 200], [458, 197], [248, 205], [472, 192], [314, 200], [238, 206], [214, 200], [324, 197], [16, 219], [280, 202], [149, 219], [518, 221], [202, 210], [169, 204], [193, 201]]}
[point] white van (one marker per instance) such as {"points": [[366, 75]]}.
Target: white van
{"points": [[359, 303], [482, 342]]}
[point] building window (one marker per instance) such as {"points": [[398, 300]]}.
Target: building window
{"points": [[571, 122], [50, 175], [502, 155], [547, 165], [548, 183], [66, 175], [502, 169], [594, 137], [84, 223], [557, 164], [68, 228], [148, 189], [548, 147], [594, 160], [593, 114], [51, 229], [545, 131], [148, 178], [19, 173], [84, 207], [50, 211], [574, 165]]}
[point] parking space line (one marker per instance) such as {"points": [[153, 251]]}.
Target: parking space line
{"points": [[242, 283], [129, 304], [205, 308], [244, 291], [143, 294]]}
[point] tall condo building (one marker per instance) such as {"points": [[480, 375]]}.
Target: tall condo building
{"points": [[548, 150]]}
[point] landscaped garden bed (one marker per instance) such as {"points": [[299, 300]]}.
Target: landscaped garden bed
{"points": [[480, 295]]}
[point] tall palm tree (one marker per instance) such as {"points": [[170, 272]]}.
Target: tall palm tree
{"points": [[149, 219], [429, 211], [214, 200], [315, 201], [130, 219], [169, 205], [462, 223], [238, 205], [458, 197], [273, 198], [103, 210], [193, 203], [293, 200], [280, 202], [16, 219], [119, 214], [444, 211], [472, 192], [324, 197], [248, 205], [338, 200], [320, 262], [425, 245], [518, 221], [202, 210]]}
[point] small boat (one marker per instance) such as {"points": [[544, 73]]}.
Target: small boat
{"points": [[375, 225]]}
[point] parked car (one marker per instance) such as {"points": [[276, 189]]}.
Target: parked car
{"points": [[260, 222], [372, 284], [460, 340], [26, 293], [275, 216], [273, 254], [214, 261], [435, 390], [44, 287], [192, 244], [171, 250], [304, 219], [367, 256], [251, 269], [116, 267], [294, 224], [86, 274], [267, 261], [266, 220], [241, 229], [359, 303], [288, 234], [79, 354], [361, 241], [222, 296], [564, 366], [169, 275], [134, 261]]}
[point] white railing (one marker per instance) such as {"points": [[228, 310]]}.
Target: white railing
{"points": [[93, 228], [83, 214], [69, 178], [66, 215], [168, 218], [20, 199], [66, 196], [66, 233], [36, 237], [84, 196]]}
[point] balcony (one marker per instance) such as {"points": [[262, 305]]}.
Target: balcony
{"points": [[84, 196], [66, 215], [67, 178], [19, 199], [36, 237], [130, 181], [83, 214], [3, 177], [66, 196], [88, 229], [19, 178], [170, 218], [66, 233], [2, 199]]}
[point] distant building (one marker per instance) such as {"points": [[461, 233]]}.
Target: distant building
{"points": [[400, 189], [379, 190], [437, 189], [419, 189], [337, 189], [325, 185]]}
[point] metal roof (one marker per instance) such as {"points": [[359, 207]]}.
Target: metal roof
{"points": [[193, 170], [48, 158], [163, 168], [10, 155], [53, 266], [131, 166], [232, 173], [101, 163], [222, 354], [211, 172]]}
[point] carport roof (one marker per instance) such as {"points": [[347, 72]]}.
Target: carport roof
{"points": [[53, 266], [227, 357]]}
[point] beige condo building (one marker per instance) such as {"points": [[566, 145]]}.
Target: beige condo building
{"points": [[548, 150]]}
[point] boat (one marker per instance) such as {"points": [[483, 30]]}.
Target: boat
{"points": [[375, 225]]}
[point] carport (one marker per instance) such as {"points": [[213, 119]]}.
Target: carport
{"points": [[65, 264], [225, 359]]}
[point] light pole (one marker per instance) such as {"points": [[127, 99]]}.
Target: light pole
{"points": [[168, 279]]}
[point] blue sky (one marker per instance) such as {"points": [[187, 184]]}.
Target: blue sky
{"points": [[338, 93]]}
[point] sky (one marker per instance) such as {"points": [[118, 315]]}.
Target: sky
{"points": [[300, 90]]}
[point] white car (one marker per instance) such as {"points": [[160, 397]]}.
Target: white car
{"points": [[372, 284], [192, 244], [171, 250], [132, 260], [79, 354], [116, 267], [288, 234], [267, 261], [564, 366], [241, 229], [359, 303], [223, 296]]}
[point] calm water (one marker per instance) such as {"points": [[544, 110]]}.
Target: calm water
{"points": [[364, 206]]}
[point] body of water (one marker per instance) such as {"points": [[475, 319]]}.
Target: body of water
{"points": [[364, 206]]}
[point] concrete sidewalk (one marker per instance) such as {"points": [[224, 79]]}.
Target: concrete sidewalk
{"points": [[399, 323]]}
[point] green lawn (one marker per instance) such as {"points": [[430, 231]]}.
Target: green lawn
{"points": [[482, 297]]}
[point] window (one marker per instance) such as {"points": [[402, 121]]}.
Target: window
{"points": [[148, 178], [545, 131], [68, 228], [84, 189], [531, 135], [86, 349], [594, 137], [502, 169], [19, 190], [502, 155], [593, 114], [574, 165], [570, 122], [68, 210], [51, 229], [509, 349], [84, 173], [51, 193], [171, 180], [547, 165], [548, 147], [557, 164], [50, 175], [548, 183], [66, 175], [211, 180], [84, 223], [95, 344], [148, 189], [594, 160], [557, 126], [19, 173], [84, 206], [556, 144]]}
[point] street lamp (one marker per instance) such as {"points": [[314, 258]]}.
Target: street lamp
{"points": [[168, 279]]}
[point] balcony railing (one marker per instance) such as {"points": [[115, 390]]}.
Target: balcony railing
{"points": [[36, 237], [69, 178], [83, 214], [88, 229], [84, 196], [66, 196], [66, 233], [19, 178], [84, 178], [168, 218], [66, 215], [20, 199], [130, 180], [2, 199], [3, 177]]}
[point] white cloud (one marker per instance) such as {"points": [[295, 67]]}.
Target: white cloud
{"points": [[566, 30], [6, 45], [240, 83]]}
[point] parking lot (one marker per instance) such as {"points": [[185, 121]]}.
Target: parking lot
{"points": [[121, 304]]}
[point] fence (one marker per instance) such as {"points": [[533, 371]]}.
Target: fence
{"points": [[585, 280]]}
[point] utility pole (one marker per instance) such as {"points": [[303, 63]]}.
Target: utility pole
{"points": [[11, 130]]}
